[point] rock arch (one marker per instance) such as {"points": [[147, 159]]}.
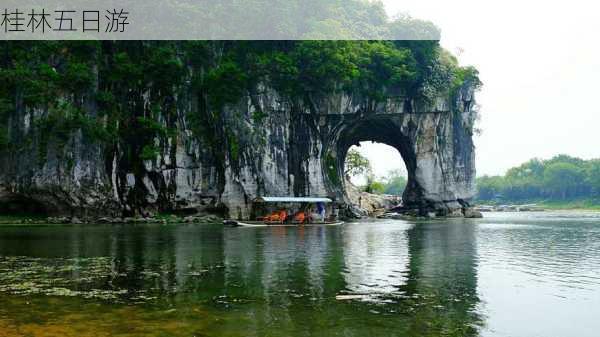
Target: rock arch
{"points": [[434, 141], [380, 129]]}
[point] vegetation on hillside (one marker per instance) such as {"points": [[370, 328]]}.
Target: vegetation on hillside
{"points": [[133, 85], [557, 180]]}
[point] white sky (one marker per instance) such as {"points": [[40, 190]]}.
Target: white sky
{"points": [[540, 65]]}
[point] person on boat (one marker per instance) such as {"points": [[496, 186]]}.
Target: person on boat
{"points": [[314, 216], [283, 215], [321, 210], [277, 216], [335, 212], [270, 217], [299, 217]]}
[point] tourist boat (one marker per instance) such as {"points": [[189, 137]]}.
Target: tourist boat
{"points": [[249, 223], [281, 217]]}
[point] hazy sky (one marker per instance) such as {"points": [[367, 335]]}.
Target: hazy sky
{"points": [[540, 65]]}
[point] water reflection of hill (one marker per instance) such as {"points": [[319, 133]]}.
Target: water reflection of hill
{"points": [[413, 280]]}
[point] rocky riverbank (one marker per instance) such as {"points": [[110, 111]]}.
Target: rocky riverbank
{"points": [[365, 204], [390, 207], [509, 208], [409, 214]]}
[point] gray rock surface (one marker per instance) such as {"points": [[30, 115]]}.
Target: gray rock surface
{"points": [[297, 149]]}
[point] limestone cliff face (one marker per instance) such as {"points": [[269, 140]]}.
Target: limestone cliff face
{"points": [[435, 141], [294, 150], [306, 149]]}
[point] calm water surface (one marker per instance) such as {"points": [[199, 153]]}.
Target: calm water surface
{"points": [[510, 274]]}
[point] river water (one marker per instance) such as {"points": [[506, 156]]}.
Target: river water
{"points": [[509, 274]]}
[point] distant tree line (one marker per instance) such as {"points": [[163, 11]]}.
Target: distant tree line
{"points": [[561, 178]]}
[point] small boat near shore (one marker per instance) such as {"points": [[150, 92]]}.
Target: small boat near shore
{"points": [[296, 212], [248, 223]]}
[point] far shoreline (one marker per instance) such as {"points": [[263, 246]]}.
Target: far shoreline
{"points": [[576, 205]]}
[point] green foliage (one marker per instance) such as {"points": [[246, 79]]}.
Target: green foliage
{"points": [[324, 66], [234, 147], [141, 136], [383, 65], [592, 174], [332, 169], [225, 84], [444, 74], [76, 78], [356, 164], [258, 116], [163, 68], [60, 123], [490, 187], [395, 183], [559, 178], [373, 186], [149, 152], [563, 178], [124, 70], [467, 74], [148, 127]]}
